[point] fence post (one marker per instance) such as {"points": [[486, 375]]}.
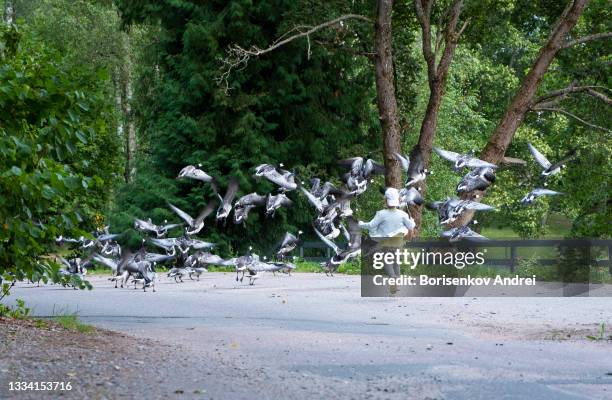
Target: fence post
{"points": [[513, 259], [302, 252], [610, 258]]}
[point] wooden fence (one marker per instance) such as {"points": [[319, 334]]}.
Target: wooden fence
{"points": [[503, 253]]}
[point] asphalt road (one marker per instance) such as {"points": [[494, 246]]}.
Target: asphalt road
{"points": [[308, 336]]}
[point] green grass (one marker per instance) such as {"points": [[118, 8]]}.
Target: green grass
{"points": [[557, 226], [72, 322]]}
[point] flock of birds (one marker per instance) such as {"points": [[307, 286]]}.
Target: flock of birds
{"points": [[189, 256]]}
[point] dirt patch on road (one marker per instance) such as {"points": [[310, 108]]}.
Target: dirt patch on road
{"points": [[99, 364]]}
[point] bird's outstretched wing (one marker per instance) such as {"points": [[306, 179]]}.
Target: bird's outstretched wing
{"points": [[447, 155], [110, 236], [354, 233], [543, 161], [544, 192], [288, 239], [112, 264], [215, 188], [251, 199], [354, 163], [165, 243], [193, 172], [143, 225], [474, 205], [328, 242], [404, 161], [206, 211], [184, 216], [312, 199], [232, 188], [285, 201], [200, 244], [372, 167], [478, 163]]}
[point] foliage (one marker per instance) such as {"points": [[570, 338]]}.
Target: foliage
{"points": [[53, 143], [19, 311], [304, 110]]}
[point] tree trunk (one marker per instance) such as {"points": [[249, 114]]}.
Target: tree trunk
{"points": [[129, 127], [424, 146], [437, 76], [515, 113], [118, 100], [385, 94]]}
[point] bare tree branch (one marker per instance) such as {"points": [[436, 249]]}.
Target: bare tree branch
{"points": [[238, 57], [558, 95], [589, 38], [423, 12], [574, 116], [600, 96], [451, 37], [513, 161]]}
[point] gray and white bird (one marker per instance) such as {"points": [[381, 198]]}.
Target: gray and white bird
{"points": [[257, 267], [462, 232], [199, 261], [225, 207], [549, 169], [410, 197], [194, 225], [245, 204], [287, 245], [414, 168], [451, 209], [194, 172], [275, 202], [536, 193], [342, 255], [361, 171], [461, 161], [321, 191], [284, 179], [183, 243], [148, 226], [318, 194], [476, 179]]}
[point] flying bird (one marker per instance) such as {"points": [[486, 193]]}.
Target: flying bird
{"points": [[342, 255], [415, 169], [245, 204], [148, 226], [275, 202], [462, 232], [549, 169], [477, 179], [193, 172], [194, 225], [226, 201], [410, 197], [287, 245], [451, 209], [284, 179], [463, 160], [536, 193], [360, 172]]}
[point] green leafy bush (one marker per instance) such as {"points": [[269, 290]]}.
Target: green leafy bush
{"points": [[52, 120]]}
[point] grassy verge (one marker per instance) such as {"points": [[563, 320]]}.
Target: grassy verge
{"points": [[72, 323]]}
